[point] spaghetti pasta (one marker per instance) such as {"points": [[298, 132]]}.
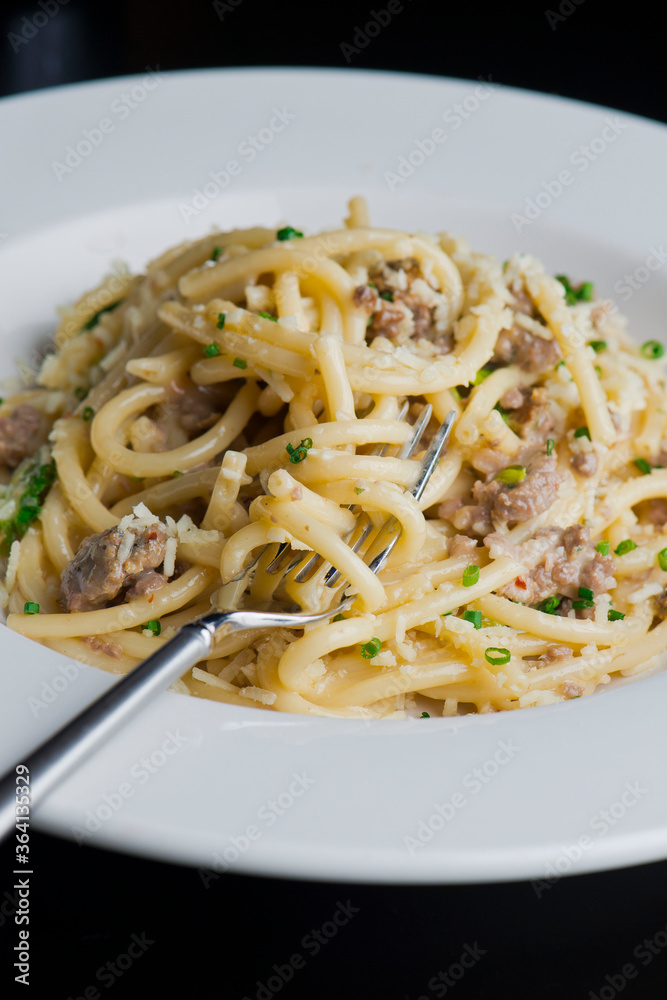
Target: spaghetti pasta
{"points": [[248, 391]]}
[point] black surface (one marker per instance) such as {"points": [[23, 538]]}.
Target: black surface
{"points": [[224, 940]]}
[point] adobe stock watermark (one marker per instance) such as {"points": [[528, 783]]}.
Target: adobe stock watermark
{"points": [[114, 969], [267, 816], [364, 35], [565, 10], [222, 7], [30, 26], [312, 943], [644, 952], [473, 782], [140, 773], [91, 138], [581, 158], [603, 821], [424, 148], [443, 981], [51, 690], [248, 150]]}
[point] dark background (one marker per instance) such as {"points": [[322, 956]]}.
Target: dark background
{"points": [[224, 940]]}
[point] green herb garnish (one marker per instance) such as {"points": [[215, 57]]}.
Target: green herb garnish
{"points": [[581, 293], [614, 616], [473, 616], [288, 234], [627, 545], [497, 655], [582, 432], [298, 454], [371, 648], [31, 608], [211, 351], [643, 465], [652, 350], [512, 474], [470, 575], [94, 320], [267, 315], [153, 626], [549, 604], [239, 363], [603, 547], [88, 413]]}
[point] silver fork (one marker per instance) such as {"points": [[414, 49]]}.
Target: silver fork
{"points": [[52, 761]]}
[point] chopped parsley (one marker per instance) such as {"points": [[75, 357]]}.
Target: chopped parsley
{"points": [[470, 575], [153, 626], [424, 715], [603, 547], [298, 454], [582, 432], [580, 293], [31, 608], [288, 233], [23, 496], [497, 655], [473, 616], [221, 321], [662, 559], [652, 350], [94, 319], [627, 545], [643, 466], [211, 351], [239, 363], [371, 648], [267, 315], [512, 474], [614, 616], [88, 413]]}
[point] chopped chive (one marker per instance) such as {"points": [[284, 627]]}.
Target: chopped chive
{"points": [[176, 473], [239, 363], [288, 233], [371, 648], [652, 349], [497, 655], [584, 293], [338, 618], [614, 616], [473, 616], [298, 454], [503, 412], [267, 315], [627, 545], [88, 413], [216, 253], [482, 375], [603, 547], [643, 465], [512, 474], [80, 392], [550, 445], [586, 592], [583, 604], [31, 608], [598, 372], [153, 626], [94, 320], [455, 393], [387, 296], [221, 321], [424, 715], [211, 351], [550, 604], [359, 489], [470, 575], [582, 432], [662, 559], [598, 345]]}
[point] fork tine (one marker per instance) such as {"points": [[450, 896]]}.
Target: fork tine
{"points": [[315, 562]]}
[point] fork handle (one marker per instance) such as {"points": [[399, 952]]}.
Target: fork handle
{"points": [[53, 760]]}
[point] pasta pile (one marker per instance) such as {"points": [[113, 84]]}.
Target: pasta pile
{"points": [[237, 398]]}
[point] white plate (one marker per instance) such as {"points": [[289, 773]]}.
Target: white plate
{"points": [[579, 786]]}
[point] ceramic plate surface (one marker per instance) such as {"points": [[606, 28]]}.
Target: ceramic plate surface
{"points": [[120, 169]]}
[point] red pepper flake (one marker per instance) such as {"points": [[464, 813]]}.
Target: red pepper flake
{"points": [[520, 583], [151, 598]]}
